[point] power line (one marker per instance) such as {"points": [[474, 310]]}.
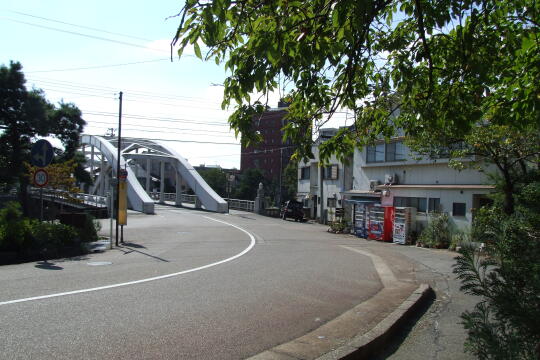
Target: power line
{"points": [[140, 117], [86, 35], [162, 127], [97, 66], [80, 26], [107, 88], [170, 132], [184, 141]]}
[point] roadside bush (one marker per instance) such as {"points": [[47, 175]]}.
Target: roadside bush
{"points": [[89, 231], [506, 277], [339, 226], [29, 238], [15, 231], [53, 236], [504, 324], [459, 238], [437, 233]]}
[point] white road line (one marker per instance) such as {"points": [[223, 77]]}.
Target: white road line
{"points": [[386, 275], [246, 250]]}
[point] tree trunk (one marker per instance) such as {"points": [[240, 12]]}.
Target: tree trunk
{"points": [[508, 189]]}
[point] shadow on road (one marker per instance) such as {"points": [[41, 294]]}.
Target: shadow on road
{"points": [[45, 265], [130, 249], [133, 245]]}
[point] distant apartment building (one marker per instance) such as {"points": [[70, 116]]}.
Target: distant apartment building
{"points": [[272, 155]]}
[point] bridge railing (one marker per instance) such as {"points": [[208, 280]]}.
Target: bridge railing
{"points": [[244, 205], [189, 199], [237, 204], [69, 197]]}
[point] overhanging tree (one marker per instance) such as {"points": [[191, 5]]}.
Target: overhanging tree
{"points": [[26, 114], [448, 66]]}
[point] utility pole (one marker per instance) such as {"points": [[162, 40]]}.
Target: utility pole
{"points": [[118, 163]]}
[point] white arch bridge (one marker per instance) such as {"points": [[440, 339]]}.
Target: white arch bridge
{"points": [[153, 168]]}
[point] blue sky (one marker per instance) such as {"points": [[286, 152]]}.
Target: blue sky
{"points": [[162, 99]]}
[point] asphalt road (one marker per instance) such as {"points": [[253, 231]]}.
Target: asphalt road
{"points": [[192, 285]]}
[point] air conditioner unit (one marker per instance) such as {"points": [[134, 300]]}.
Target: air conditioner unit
{"points": [[390, 179], [373, 185]]}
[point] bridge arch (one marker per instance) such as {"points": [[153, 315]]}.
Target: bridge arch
{"points": [[139, 157]]}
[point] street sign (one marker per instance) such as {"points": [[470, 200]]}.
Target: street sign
{"points": [[41, 153], [122, 174], [41, 178]]}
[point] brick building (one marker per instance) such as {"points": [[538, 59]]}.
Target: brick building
{"points": [[272, 155]]}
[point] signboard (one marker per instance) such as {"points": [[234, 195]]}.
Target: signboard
{"points": [[122, 174], [122, 203], [41, 178], [41, 153], [387, 198]]}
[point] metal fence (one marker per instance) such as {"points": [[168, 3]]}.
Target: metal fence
{"points": [[237, 204], [71, 198], [189, 199]]}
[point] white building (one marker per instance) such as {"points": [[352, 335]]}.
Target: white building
{"points": [[388, 173], [335, 177]]}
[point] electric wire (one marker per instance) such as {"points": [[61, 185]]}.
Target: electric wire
{"points": [[87, 35], [136, 93], [141, 117], [79, 26], [97, 66], [184, 141], [160, 127]]}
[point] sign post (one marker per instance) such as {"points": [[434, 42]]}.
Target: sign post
{"points": [[41, 156], [41, 178], [122, 201]]}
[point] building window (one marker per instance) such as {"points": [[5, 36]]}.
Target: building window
{"points": [[305, 173], [330, 172], [458, 209], [434, 204], [395, 151], [375, 153], [331, 202], [415, 202]]}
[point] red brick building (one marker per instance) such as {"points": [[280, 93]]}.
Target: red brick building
{"points": [[271, 156]]}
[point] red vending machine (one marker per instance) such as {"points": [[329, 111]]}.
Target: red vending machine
{"points": [[381, 223]]}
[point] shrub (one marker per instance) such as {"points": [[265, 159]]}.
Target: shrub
{"points": [[15, 232], [459, 238], [53, 236], [29, 237], [89, 231], [504, 324], [437, 233]]}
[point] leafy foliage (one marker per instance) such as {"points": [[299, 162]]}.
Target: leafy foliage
{"points": [[447, 65], [25, 114], [249, 183], [29, 238], [216, 179], [438, 232], [504, 325]]}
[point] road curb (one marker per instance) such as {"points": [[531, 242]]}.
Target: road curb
{"points": [[367, 345], [363, 346]]}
